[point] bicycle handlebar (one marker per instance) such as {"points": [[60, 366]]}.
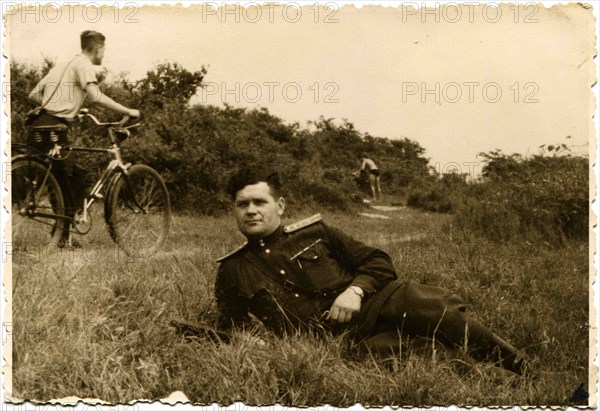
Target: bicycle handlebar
{"points": [[84, 112]]}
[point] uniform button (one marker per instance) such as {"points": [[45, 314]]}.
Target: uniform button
{"points": [[262, 243], [296, 295], [282, 272], [267, 251]]}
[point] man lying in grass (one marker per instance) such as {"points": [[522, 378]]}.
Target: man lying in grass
{"points": [[310, 275]]}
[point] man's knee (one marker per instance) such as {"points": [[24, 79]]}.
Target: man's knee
{"points": [[421, 309]]}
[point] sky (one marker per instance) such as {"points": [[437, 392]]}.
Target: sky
{"points": [[459, 80]]}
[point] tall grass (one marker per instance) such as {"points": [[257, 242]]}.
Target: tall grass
{"points": [[94, 323]]}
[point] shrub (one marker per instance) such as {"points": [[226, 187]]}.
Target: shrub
{"points": [[441, 195], [539, 198], [433, 199], [329, 193]]}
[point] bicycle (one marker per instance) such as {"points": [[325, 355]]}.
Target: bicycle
{"points": [[137, 208]]}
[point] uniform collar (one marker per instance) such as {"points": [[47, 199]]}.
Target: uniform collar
{"points": [[270, 239]]}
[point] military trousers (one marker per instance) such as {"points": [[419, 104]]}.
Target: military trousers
{"points": [[434, 314]]}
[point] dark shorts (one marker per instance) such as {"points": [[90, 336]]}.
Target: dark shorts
{"points": [[375, 172]]}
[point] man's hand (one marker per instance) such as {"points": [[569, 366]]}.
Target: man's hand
{"points": [[345, 306], [133, 113]]}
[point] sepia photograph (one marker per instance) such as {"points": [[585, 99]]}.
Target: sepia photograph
{"points": [[299, 204]]}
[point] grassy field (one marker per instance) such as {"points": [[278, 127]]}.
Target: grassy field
{"points": [[94, 323]]}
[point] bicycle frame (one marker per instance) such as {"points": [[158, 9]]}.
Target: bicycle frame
{"points": [[116, 166], [137, 209]]}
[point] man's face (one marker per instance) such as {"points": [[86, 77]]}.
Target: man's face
{"points": [[98, 55], [256, 212]]}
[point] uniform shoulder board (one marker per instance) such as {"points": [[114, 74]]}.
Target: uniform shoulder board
{"points": [[218, 260], [302, 223]]}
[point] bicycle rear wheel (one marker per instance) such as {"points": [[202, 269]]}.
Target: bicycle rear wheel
{"points": [[139, 229], [35, 190]]}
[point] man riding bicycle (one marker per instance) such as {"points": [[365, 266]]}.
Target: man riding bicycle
{"points": [[61, 94]]}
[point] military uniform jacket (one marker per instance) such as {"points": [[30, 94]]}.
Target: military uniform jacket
{"points": [[290, 279]]}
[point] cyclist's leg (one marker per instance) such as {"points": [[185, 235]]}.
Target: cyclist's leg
{"points": [[63, 179], [75, 187], [44, 141], [76, 180], [71, 180]]}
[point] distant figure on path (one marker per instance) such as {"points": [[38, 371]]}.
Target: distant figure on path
{"points": [[374, 176], [309, 275]]}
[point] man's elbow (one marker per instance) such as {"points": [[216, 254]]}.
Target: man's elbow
{"points": [[93, 93], [34, 96]]}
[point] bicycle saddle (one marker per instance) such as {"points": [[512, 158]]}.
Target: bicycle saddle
{"points": [[44, 136]]}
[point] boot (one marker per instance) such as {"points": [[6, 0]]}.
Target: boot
{"points": [[67, 240], [483, 344]]}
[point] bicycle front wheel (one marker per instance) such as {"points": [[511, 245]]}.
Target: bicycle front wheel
{"points": [[139, 213], [36, 199]]}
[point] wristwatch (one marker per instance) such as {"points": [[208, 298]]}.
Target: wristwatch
{"points": [[358, 291]]}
